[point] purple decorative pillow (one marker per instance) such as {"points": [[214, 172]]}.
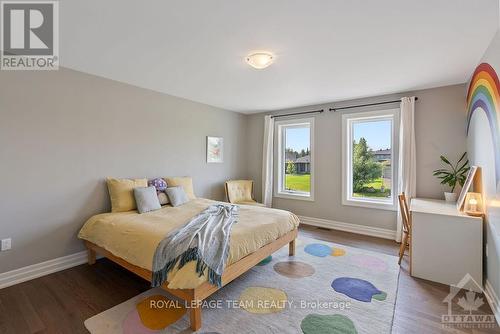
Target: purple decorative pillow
{"points": [[158, 183], [161, 186]]}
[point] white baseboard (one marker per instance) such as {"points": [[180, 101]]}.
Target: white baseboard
{"points": [[492, 299], [348, 227], [24, 274]]}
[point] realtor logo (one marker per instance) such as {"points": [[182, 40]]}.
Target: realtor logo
{"points": [[29, 35], [464, 302]]}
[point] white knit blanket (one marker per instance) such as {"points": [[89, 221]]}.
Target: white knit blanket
{"points": [[205, 239]]}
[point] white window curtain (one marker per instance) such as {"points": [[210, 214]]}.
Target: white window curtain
{"points": [[267, 162], [407, 171]]}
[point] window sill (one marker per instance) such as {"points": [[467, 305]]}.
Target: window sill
{"points": [[297, 196], [370, 204]]}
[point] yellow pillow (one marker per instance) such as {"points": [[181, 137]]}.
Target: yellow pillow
{"points": [[184, 182], [121, 193]]}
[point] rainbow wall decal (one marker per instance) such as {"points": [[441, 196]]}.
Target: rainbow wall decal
{"points": [[483, 94]]}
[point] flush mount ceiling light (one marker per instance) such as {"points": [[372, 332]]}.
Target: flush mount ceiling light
{"points": [[260, 60]]}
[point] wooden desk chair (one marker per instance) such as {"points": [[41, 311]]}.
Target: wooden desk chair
{"points": [[405, 216], [240, 192]]}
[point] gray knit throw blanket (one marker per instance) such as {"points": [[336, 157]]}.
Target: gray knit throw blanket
{"points": [[204, 239]]}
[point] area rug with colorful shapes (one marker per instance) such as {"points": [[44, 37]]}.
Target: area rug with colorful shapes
{"points": [[324, 288]]}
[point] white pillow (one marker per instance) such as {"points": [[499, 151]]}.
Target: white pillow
{"points": [[177, 196], [146, 199]]}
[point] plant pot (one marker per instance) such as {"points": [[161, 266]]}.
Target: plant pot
{"points": [[450, 197]]}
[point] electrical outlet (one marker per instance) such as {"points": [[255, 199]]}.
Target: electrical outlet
{"points": [[6, 244]]}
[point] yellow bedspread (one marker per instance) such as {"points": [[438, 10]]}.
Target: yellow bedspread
{"points": [[134, 237]]}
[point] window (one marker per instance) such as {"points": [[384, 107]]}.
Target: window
{"points": [[294, 173], [370, 159]]}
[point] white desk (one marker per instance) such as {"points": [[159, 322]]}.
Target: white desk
{"points": [[445, 243]]}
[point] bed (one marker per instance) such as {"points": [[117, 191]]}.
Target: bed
{"points": [[130, 239]]}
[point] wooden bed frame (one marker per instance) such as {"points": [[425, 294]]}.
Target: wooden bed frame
{"points": [[194, 297]]}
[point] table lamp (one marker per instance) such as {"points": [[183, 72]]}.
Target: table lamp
{"points": [[473, 204]]}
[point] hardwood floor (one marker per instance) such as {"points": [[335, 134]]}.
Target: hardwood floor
{"points": [[61, 302]]}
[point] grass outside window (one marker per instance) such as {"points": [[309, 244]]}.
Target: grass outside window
{"points": [[298, 182]]}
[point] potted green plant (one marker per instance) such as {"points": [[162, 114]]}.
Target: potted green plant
{"points": [[452, 175]]}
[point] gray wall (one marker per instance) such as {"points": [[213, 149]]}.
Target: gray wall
{"points": [[63, 132], [440, 119], [481, 153]]}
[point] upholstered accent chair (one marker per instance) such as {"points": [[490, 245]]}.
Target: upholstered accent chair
{"points": [[240, 192]]}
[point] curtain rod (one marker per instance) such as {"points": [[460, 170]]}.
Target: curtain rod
{"points": [[367, 105], [339, 108], [299, 113]]}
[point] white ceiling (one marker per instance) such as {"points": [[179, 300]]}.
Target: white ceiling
{"points": [[327, 50]]}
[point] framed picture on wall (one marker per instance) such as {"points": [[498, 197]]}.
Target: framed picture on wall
{"points": [[215, 149], [466, 187]]}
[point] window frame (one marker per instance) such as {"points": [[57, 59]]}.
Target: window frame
{"points": [[279, 192], [347, 138]]}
